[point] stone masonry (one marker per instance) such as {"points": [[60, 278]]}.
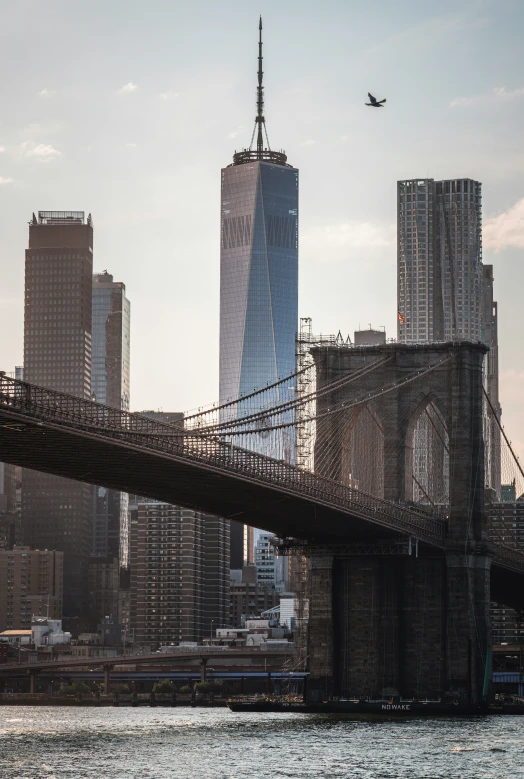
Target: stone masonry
{"points": [[410, 625]]}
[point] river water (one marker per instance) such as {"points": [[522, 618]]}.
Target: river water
{"points": [[173, 743]]}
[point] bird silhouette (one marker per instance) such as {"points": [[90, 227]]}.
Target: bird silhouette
{"points": [[374, 102]]}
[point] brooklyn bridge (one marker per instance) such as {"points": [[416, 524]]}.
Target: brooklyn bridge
{"points": [[379, 470]]}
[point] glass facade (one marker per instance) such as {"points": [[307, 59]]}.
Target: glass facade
{"points": [[439, 260], [110, 342], [258, 293], [258, 276], [110, 379]]}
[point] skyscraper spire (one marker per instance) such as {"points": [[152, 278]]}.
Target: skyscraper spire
{"points": [[260, 122], [260, 153]]}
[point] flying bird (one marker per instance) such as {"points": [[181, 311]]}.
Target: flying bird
{"points": [[374, 102]]}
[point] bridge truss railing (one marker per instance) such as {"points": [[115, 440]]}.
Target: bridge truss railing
{"points": [[50, 407], [57, 408]]}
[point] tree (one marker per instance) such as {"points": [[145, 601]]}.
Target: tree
{"points": [[120, 689], [76, 688], [185, 690], [164, 685], [217, 685]]}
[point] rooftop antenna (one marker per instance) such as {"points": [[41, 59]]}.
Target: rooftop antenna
{"points": [[260, 121], [261, 153]]}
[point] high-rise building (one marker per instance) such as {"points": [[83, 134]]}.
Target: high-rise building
{"points": [[10, 495], [110, 382], [56, 512], [179, 567], [491, 382], [272, 570], [369, 337], [439, 247], [179, 574], [110, 360], [258, 271], [9, 525], [445, 293], [104, 587], [507, 526], [31, 582]]}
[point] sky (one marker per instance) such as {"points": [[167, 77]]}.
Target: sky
{"points": [[129, 111]]}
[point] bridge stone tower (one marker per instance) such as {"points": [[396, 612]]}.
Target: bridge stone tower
{"points": [[390, 616]]}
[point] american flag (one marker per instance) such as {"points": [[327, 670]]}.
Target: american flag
{"points": [[400, 317]]}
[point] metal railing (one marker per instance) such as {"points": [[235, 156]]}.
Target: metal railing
{"points": [[59, 409], [507, 557], [56, 408]]}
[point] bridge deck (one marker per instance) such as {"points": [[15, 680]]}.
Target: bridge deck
{"points": [[66, 436]]}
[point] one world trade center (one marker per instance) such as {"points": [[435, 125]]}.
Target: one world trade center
{"points": [[258, 267]]}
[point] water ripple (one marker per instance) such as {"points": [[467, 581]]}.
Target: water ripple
{"points": [[126, 743]]}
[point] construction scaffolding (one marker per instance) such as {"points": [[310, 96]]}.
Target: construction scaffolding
{"points": [[299, 584], [306, 384]]}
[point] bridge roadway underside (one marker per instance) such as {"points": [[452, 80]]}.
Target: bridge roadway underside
{"points": [[119, 465]]}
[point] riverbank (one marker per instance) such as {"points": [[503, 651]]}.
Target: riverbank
{"points": [[44, 699]]}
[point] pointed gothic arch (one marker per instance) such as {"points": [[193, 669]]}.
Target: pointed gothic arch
{"points": [[426, 450]]}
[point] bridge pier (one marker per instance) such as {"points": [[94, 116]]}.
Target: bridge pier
{"points": [[203, 669], [320, 626], [32, 681], [468, 622], [398, 625], [404, 625]]}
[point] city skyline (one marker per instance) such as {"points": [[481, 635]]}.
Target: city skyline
{"points": [[347, 230], [312, 502]]}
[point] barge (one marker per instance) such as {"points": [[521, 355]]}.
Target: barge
{"points": [[388, 708]]}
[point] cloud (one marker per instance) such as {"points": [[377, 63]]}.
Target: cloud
{"points": [[234, 133], [336, 241], [46, 92], [2, 148], [512, 94], [42, 128], [41, 151], [462, 101], [309, 142], [131, 145], [505, 230], [5, 180], [494, 95], [429, 31], [128, 88], [168, 95]]}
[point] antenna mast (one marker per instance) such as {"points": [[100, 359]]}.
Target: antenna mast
{"points": [[260, 121], [261, 153]]}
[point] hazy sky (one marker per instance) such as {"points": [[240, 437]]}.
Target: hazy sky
{"points": [[129, 110]]}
